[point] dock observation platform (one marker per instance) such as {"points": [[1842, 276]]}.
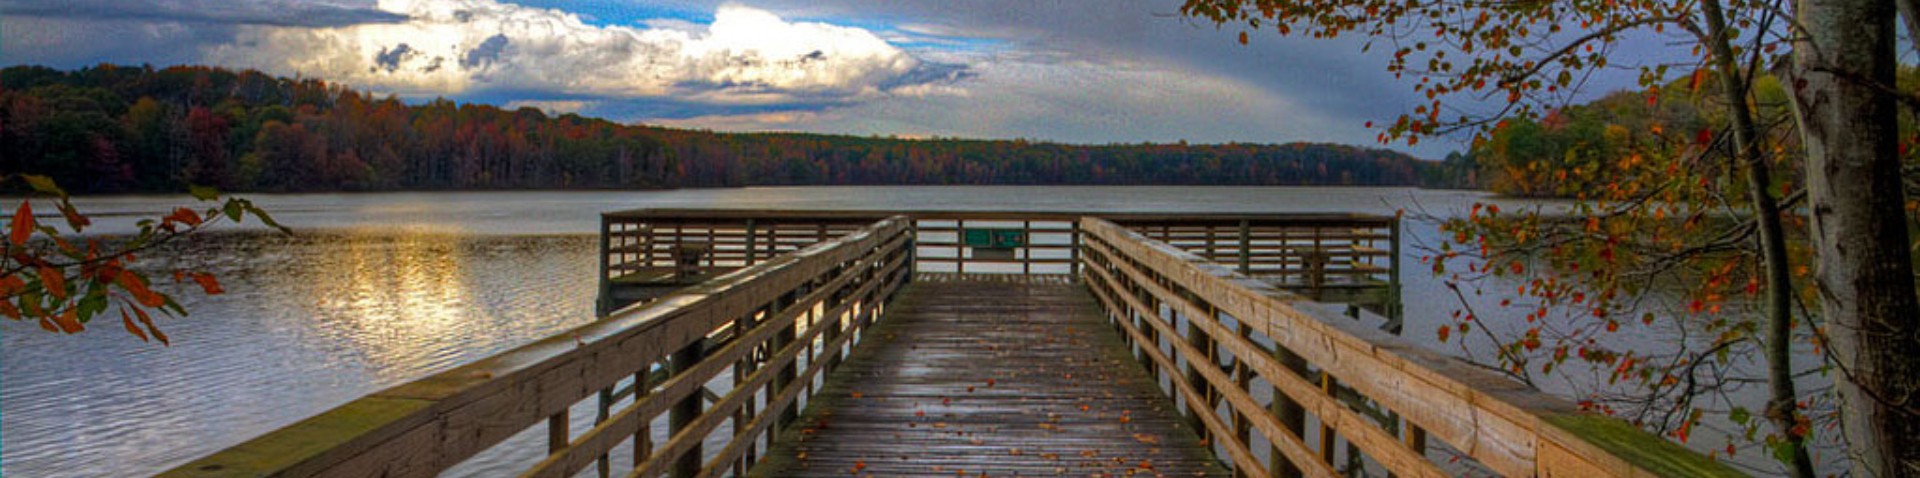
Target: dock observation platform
{"points": [[975, 343]]}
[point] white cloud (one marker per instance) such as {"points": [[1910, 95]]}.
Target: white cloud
{"points": [[746, 56], [1037, 95], [552, 107]]}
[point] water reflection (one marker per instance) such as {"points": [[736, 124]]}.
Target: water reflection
{"points": [[310, 322], [393, 295]]}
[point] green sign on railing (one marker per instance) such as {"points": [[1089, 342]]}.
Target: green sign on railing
{"points": [[994, 238]]}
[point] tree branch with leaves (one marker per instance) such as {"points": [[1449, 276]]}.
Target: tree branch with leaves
{"points": [[63, 280]]}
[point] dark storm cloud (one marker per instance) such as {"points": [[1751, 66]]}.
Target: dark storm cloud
{"points": [[929, 72], [287, 13], [487, 52], [389, 59]]}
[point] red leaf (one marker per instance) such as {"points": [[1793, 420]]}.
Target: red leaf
{"points": [[11, 284], [148, 321], [69, 322], [1704, 137], [212, 286], [136, 285], [1444, 332], [184, 216], [54, 282], [127, 320], [74, 218], [22, 224]]}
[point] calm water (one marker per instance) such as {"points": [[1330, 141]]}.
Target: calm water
{"points": [[379, 289]]}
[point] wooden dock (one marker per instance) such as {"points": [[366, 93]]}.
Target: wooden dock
{"points": [[971, 343], [990, 375]]}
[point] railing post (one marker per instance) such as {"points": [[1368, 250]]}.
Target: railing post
{"points": [[831, 333], [557, 431], [912, 251], [1395, 311], [1290, 414], [600, 416], [1246, 248], [1326, 429], [1212, 244], [686, 465], [603, 304], [1026, 249], [1242, 378], [960, 247], [743, 368], [1193, 376], [784, 377], [1073, 250], [752, 241], [642, 438]]}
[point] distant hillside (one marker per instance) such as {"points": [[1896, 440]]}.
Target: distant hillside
{"points": [[126, 129]]}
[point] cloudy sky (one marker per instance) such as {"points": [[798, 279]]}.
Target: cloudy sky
{"points": [[1080, 72]]}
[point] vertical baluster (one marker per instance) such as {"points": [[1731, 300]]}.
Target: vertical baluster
{"points": [[557, 432], [600, 416], [1247, 248], [603, 304], [741, 369], [686, 411], [1026, 249], [753, 241], [1243, 378], [1192, 371], [959, 247], [643, 438], [1073, 250], [1290, 413], [1326, 429]]}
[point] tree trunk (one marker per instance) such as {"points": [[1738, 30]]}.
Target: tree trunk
{"points": [[1865, 276], [1782, 400]]}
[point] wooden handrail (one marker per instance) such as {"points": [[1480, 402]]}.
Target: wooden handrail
{"points": [[1305, 352], [826, 291]]}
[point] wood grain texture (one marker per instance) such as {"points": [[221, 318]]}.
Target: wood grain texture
{"points": [[1496, 421], [455, 414], [995, 376]]}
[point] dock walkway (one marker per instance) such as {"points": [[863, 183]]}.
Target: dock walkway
{"points": [[970, 343], [995, 376]]}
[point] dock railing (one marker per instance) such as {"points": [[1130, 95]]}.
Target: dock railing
{"points": [[1345, 258], [776, 326], [1218, 340], [1258, 369]]}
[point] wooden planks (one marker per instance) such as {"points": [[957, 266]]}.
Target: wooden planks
{"points": [[423, 427], [1511, 429], [1000, 376]]}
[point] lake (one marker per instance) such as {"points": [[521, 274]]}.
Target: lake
{"points": [[376, 290]]}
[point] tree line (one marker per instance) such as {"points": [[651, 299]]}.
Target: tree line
{"points": [[112, 129]]}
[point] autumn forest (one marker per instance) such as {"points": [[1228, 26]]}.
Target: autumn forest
{"points": [[110, 129]]}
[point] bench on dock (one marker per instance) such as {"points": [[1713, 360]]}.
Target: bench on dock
{"points": [[868, 343]]}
